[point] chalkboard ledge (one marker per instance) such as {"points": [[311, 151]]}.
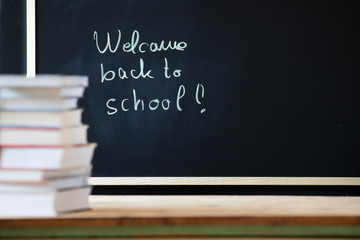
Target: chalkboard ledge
{"points": [[266, 181]]}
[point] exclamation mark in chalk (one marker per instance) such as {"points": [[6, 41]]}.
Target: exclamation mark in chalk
{"points": [[200, 92]]}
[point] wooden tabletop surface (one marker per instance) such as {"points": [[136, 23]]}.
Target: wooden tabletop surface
{"points": [[184, 210], [221, 216]]}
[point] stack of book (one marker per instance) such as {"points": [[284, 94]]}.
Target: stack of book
{"points": [[45, 159]]}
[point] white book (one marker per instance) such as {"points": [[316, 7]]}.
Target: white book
{"points": [[43, 204], [38, 175], [41, 92], [43, 136], [50, 158], [37, 104], [46, 185], [42, 80], [41, 119]]}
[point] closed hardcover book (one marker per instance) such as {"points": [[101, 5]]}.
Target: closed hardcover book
{"points": [[45, 185], [39, 175], [50, 158], [42, 80], [23, 92], [43, 204], [43, 136], [41, 119], [38, 104]]}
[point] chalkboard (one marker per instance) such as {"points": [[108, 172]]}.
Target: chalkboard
{"points": [[196, 88], [12, 37]]}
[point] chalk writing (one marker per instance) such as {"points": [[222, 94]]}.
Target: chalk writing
{"points": [[134, 45], [122, 74], [137, 104], [201, 88]]}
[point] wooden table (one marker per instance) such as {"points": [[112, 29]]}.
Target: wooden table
{"points": [[198, 217]]}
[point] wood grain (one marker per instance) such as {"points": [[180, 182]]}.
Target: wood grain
{"points": [[111, 211]]}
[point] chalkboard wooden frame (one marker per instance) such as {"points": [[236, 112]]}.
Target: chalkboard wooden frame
{"points": [[320, 181], [244, 181], [30, 38]]}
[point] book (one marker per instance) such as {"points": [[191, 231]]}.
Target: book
{"points": [[37, 104], [38, 175], [43, 136], [43, 204], [41, 92], [42, 80], [41, 119], [46, 185], [46, 158]]}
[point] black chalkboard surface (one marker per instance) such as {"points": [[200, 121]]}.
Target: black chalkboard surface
{"points": [[212, 88], [12, 37]]}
